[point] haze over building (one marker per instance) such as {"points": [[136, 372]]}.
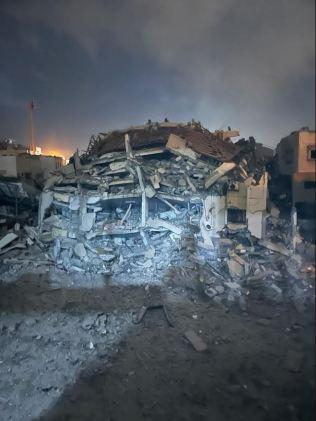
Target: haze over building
{"points": [[100, 65]]}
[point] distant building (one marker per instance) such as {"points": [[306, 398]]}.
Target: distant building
{"points": [[17, 162], [29, 167], [9, 147], [295, 161]]}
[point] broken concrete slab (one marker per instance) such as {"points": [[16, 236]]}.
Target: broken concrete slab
{"points": [[195, 340], [278, 248], [45, 201], [7, 239], [159, 223], [51, 181], [13, 247], [80, 251], [59, 232], [155, 181], [74, 203], [218, 173], [62, 197], [178, 146], [150, 191], [107, 257], [238, 266], [119, 165], [87, 221], [235, 268], [255, 224], [92, 200], [257, 195]]}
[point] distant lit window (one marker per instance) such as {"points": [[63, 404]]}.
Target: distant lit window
{"points": [[308, 185], [311, 153]]}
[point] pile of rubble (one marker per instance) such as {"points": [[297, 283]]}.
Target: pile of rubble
{"points": [[171, 203], [116, 209]]}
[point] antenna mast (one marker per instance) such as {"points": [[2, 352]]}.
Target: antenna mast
{"points": [[32, 135]]}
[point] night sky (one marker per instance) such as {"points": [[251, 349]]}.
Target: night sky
{"points": [[94, 65]]}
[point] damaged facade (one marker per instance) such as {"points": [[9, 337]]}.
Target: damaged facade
{"points": [[138, 187], [21, 179]]}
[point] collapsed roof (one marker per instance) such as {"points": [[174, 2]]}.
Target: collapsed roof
{"points": [[144, 182], [215, 145]]}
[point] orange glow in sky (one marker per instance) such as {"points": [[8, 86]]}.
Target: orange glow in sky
{"points": [[57, 147]]}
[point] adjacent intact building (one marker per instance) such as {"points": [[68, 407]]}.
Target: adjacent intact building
{"points": [[21, 176], [295, 163], [17, 162]]}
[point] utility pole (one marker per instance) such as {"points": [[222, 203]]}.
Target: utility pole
{"points": [[31, 119]]}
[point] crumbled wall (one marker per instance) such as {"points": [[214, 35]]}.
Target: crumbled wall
{"points": [[93, 209]]}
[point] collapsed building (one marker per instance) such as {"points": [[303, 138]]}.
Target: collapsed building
{"points": [[147, 181], [170, 203]]}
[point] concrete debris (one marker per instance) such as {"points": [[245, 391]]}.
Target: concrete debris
{"points": [[80, 251], [278, 248], [237, 266], [159, 223], [134, 190], [96, 322], [87, 221], [15, 246], [179, 146], [144, 199], [218, 173], [7, 239], [144, 309], [195, 340]]}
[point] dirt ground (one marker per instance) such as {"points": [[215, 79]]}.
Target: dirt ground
{"points": [[259, 364]]}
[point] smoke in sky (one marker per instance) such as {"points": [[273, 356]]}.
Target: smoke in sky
{"points": [[95, 65]]}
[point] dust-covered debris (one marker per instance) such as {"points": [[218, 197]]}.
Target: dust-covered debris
{"points": [[150, 186], [170, 204]]}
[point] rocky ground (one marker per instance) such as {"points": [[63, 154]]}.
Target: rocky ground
{"points": [[70, 350]]}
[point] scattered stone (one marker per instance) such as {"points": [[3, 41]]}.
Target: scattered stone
{"points": [[211, 292], [80, 251], [273, 293], [220, 289], [17, 227], [74, 204], [263, 322], [107, 257], [195, 340], [7, 239], [87, 221]]}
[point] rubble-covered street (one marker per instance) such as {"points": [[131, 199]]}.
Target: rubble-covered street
{"points": [[159, 274], [71, 351]]}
